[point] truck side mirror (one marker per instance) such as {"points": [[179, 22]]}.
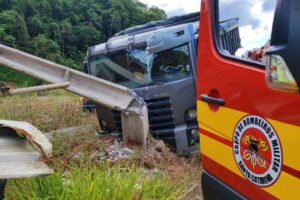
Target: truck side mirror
{"points": [[283, 60]]}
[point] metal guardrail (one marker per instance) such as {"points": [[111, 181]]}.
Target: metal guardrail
{"points": [[101, 91], [135, 124], [23, 149]]}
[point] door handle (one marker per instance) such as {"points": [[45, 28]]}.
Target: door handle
{"points": [[212, 100]]}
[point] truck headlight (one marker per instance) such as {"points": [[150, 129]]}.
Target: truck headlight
{"points": [[103, 123], [192, 114]]}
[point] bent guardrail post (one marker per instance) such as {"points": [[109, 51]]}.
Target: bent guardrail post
{"points": [[134, 111]]}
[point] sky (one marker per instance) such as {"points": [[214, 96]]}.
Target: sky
{"points": [[255, 20], [256, 16], [173, 7]]}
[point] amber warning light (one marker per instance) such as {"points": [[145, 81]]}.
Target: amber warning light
{"points": [[278, 75]]}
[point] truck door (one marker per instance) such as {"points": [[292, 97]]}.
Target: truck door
{"points": [[249, 133]]}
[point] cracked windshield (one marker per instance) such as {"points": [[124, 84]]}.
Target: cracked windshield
{"points": [[134, 68]]}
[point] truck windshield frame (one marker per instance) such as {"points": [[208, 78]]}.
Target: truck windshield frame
{"points": [[134, 68]]}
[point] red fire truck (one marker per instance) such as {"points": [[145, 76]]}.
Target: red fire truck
{"points": [[248, 112]]}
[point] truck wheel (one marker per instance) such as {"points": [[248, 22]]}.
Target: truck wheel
{"points": [[2, 188]]}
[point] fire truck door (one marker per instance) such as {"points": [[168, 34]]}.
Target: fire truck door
{"points": [[249, 134]]}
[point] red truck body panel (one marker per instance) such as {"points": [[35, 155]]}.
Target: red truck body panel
{"points": [[242, 86]]}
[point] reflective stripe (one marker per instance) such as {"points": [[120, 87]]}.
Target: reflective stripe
{"points": [[218, 147], [223, 123]]}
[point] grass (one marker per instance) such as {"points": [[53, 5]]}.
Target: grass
{"points": [[154, 173], [96, 183], [47, 113]]}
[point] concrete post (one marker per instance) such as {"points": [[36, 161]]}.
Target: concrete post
{"points": [[135, 127]]}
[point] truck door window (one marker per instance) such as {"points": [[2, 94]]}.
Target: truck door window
{"points": [[245, 28], [171, 65]]}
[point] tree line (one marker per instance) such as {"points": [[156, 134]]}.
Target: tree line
{"points": [[62, 30]]}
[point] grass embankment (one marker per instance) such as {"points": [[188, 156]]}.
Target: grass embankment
{"points": [[154, 173]]}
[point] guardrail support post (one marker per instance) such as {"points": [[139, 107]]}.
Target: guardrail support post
{"points": [[135, 127]]}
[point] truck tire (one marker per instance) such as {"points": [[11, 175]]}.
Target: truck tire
{"points": [[2, 188]]}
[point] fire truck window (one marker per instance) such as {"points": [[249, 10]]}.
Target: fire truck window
{"points": [[245, 28], [171, 65]]}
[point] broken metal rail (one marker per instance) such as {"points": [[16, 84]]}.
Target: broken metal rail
{"points": [[23, 150], [134, 112]]}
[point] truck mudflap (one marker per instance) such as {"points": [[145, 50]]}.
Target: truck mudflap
{"points": [[24, 150]]}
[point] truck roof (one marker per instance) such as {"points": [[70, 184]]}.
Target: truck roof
{"points": [[137, 38], [138, 35], [154, 25]]}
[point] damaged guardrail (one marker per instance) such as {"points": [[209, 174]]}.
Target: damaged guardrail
{"points": [[133, 109], [23, 150]]}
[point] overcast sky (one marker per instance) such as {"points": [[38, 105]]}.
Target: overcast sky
{"points": [[255, 20], [256, 16], [173, 7]]}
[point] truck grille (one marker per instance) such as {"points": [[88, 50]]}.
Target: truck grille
{"points": [[117, 119], [161, 120]]}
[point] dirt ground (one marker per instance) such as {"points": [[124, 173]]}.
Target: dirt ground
{"points": [[84, 145], [156, 157], [178, 168]]}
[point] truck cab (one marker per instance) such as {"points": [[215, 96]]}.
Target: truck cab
{"points": [[248, 109], [158, 61]]}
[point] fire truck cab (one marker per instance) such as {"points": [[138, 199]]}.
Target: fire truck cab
{"points": [[248, 112]]}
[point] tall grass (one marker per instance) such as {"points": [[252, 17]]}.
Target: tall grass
{"points": [[96, 183], [78, 175], [47, 113]]}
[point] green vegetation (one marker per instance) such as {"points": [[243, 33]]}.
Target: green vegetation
{"points": [[62, 30], [96, 183], [17, 78], [47, 113]]}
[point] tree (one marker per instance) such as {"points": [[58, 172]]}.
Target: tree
{"points": [[14, 25], [62, 30], [46, 48], [6, 4]]}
